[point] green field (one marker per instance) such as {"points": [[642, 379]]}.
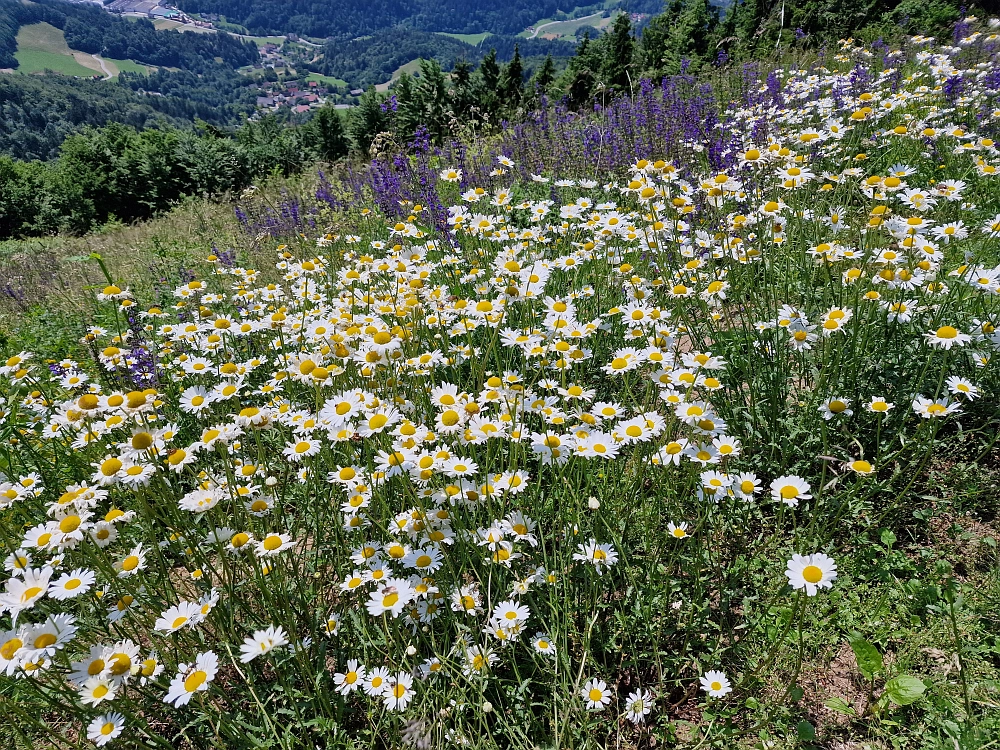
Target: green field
{"points": [[327, 80], [413, 66], [473, 39], [167, 24], [260, 41], [564, 29], [233, 28], [125, 66], [36, 61], [41, 47]]}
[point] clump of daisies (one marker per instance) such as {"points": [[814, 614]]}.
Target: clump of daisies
{"points": [[438, 460]]}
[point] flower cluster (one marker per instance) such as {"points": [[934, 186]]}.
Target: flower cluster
{"points": [[412, 459]]}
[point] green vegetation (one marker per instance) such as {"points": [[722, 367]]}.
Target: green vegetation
{"points": [[42, 47], [529, 442], [36, 61], [692, 33], [474, 39], [377, 59], [260, 41], [126, 66], [117, 173], [568, 28], [326, 80], [63, 28], [349, 19]]}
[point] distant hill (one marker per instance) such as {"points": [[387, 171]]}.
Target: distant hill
{"points": [[349, 19], [372, 60]]}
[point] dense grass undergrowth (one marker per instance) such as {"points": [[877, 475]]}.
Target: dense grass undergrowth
{"points": [[509, 447]]}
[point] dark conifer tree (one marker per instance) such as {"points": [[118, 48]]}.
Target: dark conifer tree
{"points": [[329, 138], [368, 120], [512, 81], [619, 51]]}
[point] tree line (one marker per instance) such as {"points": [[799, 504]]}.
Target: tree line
{"points": [[373, 59], [37, 113], [690, 34], [349, 19], [118, 172], [93, 30]]}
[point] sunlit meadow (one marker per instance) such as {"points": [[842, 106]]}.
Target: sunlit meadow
{"points": [[549, 460]]}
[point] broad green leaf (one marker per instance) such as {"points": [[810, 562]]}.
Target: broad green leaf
{"points": [[869, 659], [840, 706], [806, 731], [904, 690]]}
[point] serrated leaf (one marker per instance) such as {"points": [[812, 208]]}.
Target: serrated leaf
{"points": [[868, 657], [905, 689]]}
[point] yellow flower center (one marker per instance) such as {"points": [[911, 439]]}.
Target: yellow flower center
{"points": [[120, 664], [69, 524], [111, 467], [195, 680], [812, 574]]}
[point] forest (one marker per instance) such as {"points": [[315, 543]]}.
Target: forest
{"points": [[370, 61], [39, 112], [348, 19], [91, 29]]}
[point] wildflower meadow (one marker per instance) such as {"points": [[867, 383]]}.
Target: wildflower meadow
{"points": [[597, 432]]}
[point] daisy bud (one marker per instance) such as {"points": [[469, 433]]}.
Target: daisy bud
{"points": [[487, 707]]}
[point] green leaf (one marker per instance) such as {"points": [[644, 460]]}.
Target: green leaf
{"points": [[840, 706], [904, 690], [869, 659], [806, 731], [887, 537], [796, 693]]}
